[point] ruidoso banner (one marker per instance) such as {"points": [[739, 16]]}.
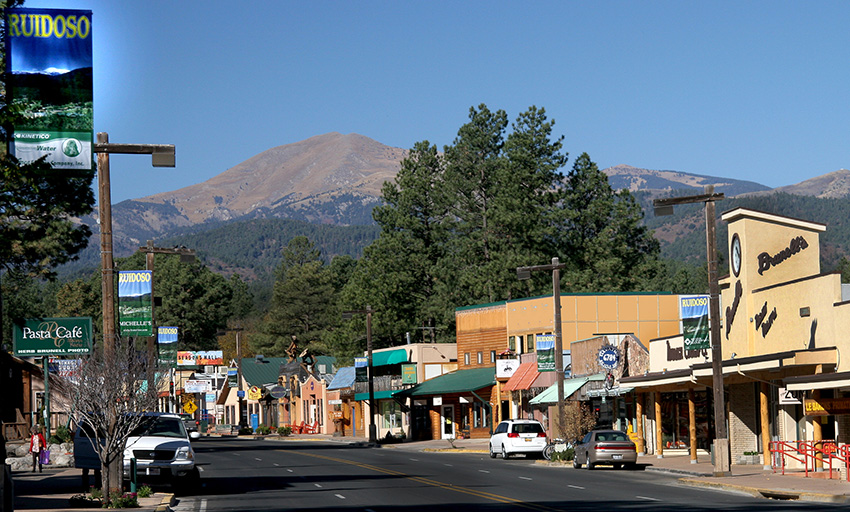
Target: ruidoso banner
{"points": [[49, 70], [135, 306], [52, 336], [694, 311], [167, 343], [545, 352], [361, 369]]}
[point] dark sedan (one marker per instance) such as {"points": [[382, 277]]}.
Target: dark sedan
{"points": [[610, 447]]}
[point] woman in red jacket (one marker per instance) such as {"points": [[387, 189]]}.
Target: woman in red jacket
{"points": [[37, 445]]}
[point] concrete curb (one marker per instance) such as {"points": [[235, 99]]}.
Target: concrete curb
{"points": [[768, 493], [165, 504], [454, 450]]}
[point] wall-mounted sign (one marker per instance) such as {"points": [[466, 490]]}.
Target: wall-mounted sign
{"points": [[233, 377], [197, 386], [608, 357], [505, 368], [766, 261], [438, 400], [277, 392], [202, 358], [52, 336], [787, 397], [826, 406]]}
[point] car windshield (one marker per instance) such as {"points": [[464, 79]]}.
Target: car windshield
{"points": [[528, 428], [160, 427]]}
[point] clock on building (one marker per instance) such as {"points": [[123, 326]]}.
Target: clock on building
{"points": [[735, 255]]}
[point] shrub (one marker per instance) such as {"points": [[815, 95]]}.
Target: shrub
{"points": [[62, 435], [284, 431], [563, 456], [126, 500], [263, 430], [245, 431], [144, 491]]}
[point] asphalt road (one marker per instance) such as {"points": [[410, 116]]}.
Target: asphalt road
{"points": [[248, 475]]}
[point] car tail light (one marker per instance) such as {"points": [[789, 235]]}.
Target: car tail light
{"points": [[603, 447], [541, 434], [513, 434]]}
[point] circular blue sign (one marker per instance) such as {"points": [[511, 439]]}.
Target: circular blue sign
{"points": [[609, 357]]}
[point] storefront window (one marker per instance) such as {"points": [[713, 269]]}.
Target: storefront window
{"points": [[674, 423], [390, 414], [529, 344], [479, 415], [512, 343]]}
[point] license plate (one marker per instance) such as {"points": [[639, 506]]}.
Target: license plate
{"points": [[527, 439], [617, 456], [152, 471]]}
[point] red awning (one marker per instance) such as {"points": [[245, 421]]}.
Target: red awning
{"points": [[523, 377]]}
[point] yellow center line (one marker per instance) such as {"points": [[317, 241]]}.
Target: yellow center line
{"points": [[433, 483]]}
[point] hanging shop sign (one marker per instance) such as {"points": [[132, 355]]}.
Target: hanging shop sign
{"points": [[197, 386], [505, 368], [255, 393], [52, 336], [545, 352], [694, 313], [49, 70], [408, 373], [233, 377], [135, 304]]}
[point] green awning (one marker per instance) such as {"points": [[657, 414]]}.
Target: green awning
{"points": [[462, 381], [379, 395], [550, 396], [389, 357]]}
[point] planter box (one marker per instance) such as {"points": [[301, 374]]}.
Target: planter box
{"points": [[749, 459]]}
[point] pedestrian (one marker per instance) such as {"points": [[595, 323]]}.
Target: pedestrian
{"points": [[37, 444]]}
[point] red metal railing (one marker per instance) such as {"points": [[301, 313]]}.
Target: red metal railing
{"points": [[833, 456]]}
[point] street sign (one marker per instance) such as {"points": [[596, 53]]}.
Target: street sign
{"points": [[190, 407]]}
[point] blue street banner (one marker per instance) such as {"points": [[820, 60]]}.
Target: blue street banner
{"points": [[49, 80], [545, 352], [135, 304], [166, 338], [361, 369], [695, 328]]}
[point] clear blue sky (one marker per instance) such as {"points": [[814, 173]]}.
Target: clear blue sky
{"points": [[755, 90]]}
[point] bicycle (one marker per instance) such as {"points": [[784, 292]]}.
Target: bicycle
{"points": [[556, 444]]}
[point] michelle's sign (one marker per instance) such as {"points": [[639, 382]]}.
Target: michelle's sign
{"points": [[52, 336]]}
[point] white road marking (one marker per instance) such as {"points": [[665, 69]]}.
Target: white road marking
{"points": [[449, 465], [200, 468], [276, 465], [415, 460], [575, 486], [289, 470], [524, 478], [340, 496], [203, 507], [318, 485], [257, 458], [483, 471], [647, 498]]}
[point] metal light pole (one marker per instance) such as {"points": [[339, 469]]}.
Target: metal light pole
{"points": [[162, 156], [525, 273], [373, 431], [665, 207]]}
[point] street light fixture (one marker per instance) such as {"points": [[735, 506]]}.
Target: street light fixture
{"points": [[346, 315], [665, 207], [524, 273]]}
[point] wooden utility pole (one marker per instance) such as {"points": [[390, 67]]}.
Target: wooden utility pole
{"points": [[107, 269]]}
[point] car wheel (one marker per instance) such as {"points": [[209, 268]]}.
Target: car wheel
{"points": [[617, 465], [504, 453], [492, 453], [576, 463], [590, 465], [630, 466]]}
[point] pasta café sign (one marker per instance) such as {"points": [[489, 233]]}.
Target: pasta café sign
{"points": [[35, 337]]}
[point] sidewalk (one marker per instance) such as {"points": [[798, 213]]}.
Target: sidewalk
{"points": [[51, 490]]}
